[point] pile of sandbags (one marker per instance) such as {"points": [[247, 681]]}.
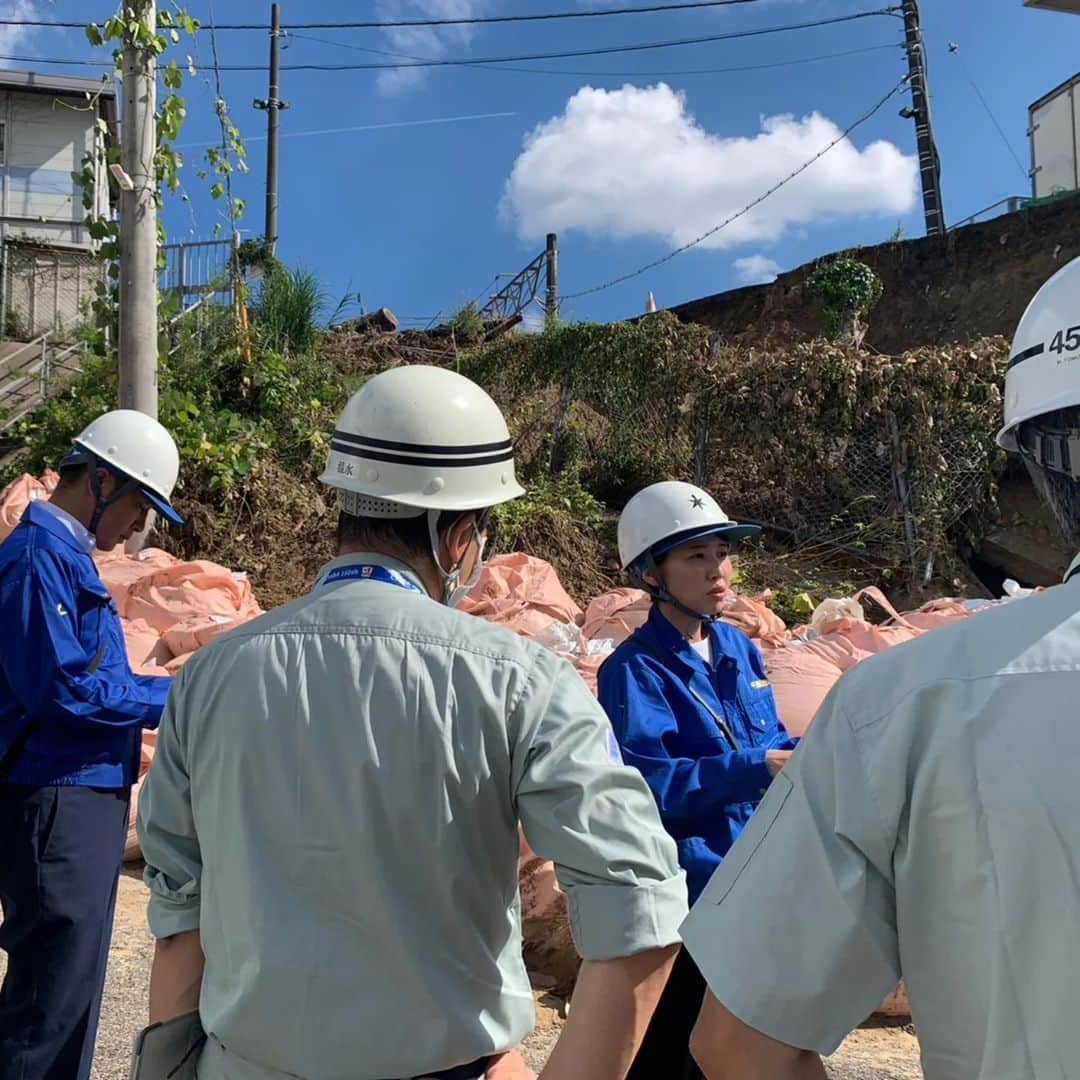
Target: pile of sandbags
{"points": [[19, 494], [524, 594], [169, 609]]}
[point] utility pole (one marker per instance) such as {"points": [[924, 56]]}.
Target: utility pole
{"points": [[273, 105], [138, 346], [929, 162], [551, 305]]}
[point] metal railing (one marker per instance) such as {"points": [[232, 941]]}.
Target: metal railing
{"points": [[197, 270], [1011, 204], [33, 372]]}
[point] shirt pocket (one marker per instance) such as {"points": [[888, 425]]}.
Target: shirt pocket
{"points": [[100, 631], [757, 699], [750, 839]]}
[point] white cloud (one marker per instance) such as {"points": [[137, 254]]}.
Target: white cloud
{"points": [[635, 162], [11, 37], [756, 269], [423, 42]]}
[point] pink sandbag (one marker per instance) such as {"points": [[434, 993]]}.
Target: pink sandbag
{"points": [[937, 613], [131, 844], [801, 680], [616, 615], [753, 616], [19, 494], [120, 571], [196, 631], [177, 662], [588, 667], [522, 593], [147, 653], [187, 589]]}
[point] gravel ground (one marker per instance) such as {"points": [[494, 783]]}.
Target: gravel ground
{"points": [[876, 1052]]}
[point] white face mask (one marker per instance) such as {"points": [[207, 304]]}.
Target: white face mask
{"points": [[454, 591]]}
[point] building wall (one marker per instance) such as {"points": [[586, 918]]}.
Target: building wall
{"points": [[45, 139]]}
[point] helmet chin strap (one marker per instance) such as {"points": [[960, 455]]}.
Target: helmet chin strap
{"points": [[660, 592], [101, 503]]}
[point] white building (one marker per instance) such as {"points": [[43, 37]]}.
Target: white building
{"points": [[48, 126]]}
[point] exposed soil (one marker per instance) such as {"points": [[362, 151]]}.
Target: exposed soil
{"points": [[973, 282]]}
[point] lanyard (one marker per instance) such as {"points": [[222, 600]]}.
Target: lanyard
{"points": [[367, 572]]}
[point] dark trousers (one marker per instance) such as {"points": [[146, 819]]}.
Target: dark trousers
{"points": [[60, 855], [665, 1050]]}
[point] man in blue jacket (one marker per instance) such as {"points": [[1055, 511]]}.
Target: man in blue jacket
{"points": [[71, 717], [691, 707]]}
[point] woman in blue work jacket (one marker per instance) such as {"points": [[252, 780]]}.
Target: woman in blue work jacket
{"points": [[691, 707]]}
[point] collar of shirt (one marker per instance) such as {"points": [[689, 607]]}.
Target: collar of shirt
{"points": [[79, 532], [1074, 568], [672, 639], [372, 558]]}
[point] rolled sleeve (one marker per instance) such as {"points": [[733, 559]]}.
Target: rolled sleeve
{"points": [[796, 932], [609, 921], [166, 828], [596, 820]]}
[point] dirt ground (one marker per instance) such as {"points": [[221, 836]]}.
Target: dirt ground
{"points": [[886, 1052]]}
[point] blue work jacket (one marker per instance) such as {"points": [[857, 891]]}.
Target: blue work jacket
{"points": [[64, 672], [698, 733]]}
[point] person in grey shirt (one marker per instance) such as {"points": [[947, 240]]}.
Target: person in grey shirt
{"points": [[330, 825], [928, 827]]}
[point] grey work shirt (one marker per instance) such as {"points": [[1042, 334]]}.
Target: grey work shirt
{"points": [[927, 827], [334, 805]]}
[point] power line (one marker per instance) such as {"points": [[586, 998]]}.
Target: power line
{"points": [[749, 206], [476, 20], [633, 74], [731, 35], [485, 60], [364, 127], [652, 73], [955, 50]]}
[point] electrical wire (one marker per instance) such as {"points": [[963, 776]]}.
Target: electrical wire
{"points": [[955, 50], [393, 124], [749, 206], [621, 74], [474, 20], [648, 46], [492, 60]]}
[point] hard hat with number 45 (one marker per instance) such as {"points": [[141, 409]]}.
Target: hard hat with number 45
{"points": [[665, 515], [1044, 365]]}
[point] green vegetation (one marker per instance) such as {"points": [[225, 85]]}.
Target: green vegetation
{"points": [[848, 291]]}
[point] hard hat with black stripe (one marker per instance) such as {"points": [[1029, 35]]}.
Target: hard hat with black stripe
{"points": [[418, 438], [1044, 374]]}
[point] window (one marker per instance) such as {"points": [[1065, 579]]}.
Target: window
{"points": [[3, 143]]}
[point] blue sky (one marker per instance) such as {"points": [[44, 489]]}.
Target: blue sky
{"points": [[624, 166]]}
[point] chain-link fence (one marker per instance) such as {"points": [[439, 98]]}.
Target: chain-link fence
{"points": [[876, 495], [47, 289], [831, 446]]}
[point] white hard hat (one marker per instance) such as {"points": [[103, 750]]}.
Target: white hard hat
{"points": [[1041, 377], [663, 516], [135, 446], [419, 438]]}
